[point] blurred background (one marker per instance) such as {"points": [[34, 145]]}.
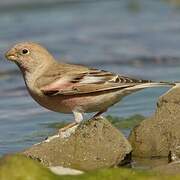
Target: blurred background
{"points": [[139, 38]]}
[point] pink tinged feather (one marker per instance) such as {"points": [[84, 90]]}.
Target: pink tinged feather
{"points": [[65, 83], [60, 84]]}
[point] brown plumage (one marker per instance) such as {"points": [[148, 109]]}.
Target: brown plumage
{"points": [[71, 88]]}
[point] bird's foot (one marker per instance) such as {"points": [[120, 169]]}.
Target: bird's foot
{"points": [[67, 127], [97, 117], [68, 130], [98, 114], [48, 139]]}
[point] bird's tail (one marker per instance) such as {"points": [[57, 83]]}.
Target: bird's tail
{"points": [[153, 84]]}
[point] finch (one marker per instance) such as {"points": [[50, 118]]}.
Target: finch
{"points": [[69, 88]]}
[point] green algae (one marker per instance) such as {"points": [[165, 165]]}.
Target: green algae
{"points": [[125, 123], [118, 122], [19, 167]]}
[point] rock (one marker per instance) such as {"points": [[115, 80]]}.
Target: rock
{"points": [[169, 169], [59, 170], [160, 134], [147, 163], [94, 144], [174, 154], [17, 167]]}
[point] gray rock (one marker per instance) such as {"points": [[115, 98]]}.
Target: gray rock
{"points": [[160, 134], [94, 144]]}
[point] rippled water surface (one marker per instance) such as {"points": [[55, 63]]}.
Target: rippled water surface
{"points": [[139, 38]]}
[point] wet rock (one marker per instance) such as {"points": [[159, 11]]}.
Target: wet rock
{"points": [[94, 144], [147, 163], [169, 169], [160, 134], [174, 154]]}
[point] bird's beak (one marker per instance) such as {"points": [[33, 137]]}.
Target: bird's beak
{"points": [[11, 55]]}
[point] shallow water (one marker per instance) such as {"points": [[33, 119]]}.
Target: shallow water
{"points": [[141, 39]]}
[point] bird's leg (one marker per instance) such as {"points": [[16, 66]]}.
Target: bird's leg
{"points": [[98, 114], [78, 118]]}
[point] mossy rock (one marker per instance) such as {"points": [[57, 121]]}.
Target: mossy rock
{"points": [[122, 174], [19, 167]]}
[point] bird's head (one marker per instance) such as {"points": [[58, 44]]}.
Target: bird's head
{"points": [[29, 56]]}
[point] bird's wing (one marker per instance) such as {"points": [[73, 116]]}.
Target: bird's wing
{"points": [[90, 81]]}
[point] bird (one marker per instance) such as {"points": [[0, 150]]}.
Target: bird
{"points": [[70, 88]]}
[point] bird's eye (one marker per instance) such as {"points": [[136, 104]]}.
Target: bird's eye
{"points": [[25, 51]]}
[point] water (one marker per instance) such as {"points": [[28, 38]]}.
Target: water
{"points": [[138, 37]]}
